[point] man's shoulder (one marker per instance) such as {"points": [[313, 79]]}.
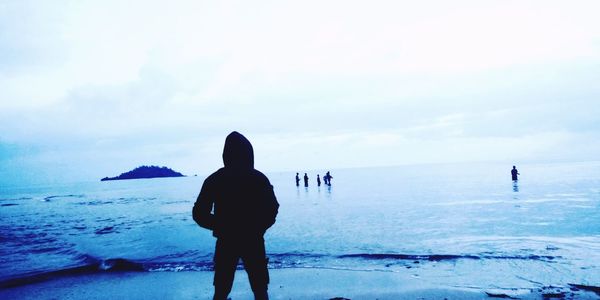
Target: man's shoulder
{"points": [[215, 175], [260, 175]]}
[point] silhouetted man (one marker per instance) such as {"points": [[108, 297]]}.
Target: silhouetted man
{"points": [[243, 207], [305, 180], [318, 180], [514, 173], [327, 178], [297, 180]]}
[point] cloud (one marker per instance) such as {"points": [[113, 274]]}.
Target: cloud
{"points": [[315, 83]]}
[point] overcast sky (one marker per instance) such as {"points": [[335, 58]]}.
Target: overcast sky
{"points": [[95, 88]]}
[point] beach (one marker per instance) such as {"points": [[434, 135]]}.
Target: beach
{"points": [[285, 284]]}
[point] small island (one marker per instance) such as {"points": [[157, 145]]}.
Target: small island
{"points": [[146, 172]]}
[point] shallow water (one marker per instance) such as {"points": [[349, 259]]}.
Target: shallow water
{"points": [[464, 225]]}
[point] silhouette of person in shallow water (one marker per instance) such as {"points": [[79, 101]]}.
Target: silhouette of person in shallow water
{"points": [[318, 180], [243, 207], [305, 180], [514, 173], [297, 180], [327, 178]]}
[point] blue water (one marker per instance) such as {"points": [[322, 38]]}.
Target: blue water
{"points": [[462, 225]]}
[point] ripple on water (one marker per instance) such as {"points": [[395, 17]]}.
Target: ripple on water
{"points": [[54, 197], [106, 230], [94, 203]]}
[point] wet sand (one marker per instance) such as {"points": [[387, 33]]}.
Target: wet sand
{"points": [[285, 284]]}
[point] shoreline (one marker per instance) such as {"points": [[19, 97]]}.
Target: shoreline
{"points": [[296, 283]]}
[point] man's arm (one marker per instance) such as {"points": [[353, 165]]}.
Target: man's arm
{"points": [[271, 207], [202, 211]]}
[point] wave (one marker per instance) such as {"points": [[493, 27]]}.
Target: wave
{"points": [[95, 202], [109, 265], [120, 200], [194, 262], [590, 288], [443, 257], [106, 230], [49, 198], [13, 199]]}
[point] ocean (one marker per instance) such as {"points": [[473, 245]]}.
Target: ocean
{"points": [[459, 225]]}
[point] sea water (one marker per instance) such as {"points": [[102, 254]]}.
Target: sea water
{"points": [[460, 225]]}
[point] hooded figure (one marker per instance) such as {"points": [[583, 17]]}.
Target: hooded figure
{"points": [[238, 204]]}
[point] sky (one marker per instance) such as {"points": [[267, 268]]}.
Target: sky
{"points": [[95, 88]]}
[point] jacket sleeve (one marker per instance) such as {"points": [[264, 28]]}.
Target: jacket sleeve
{"points": [[202, 211], [271, 207]]}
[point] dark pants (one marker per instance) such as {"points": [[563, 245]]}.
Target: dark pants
{"points": [[227, 254]]}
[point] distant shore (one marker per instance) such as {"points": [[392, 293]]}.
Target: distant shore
{"points": [[299, 283]]}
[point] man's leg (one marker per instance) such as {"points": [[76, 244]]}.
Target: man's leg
{"points": [[255, 263], [225, 264]]}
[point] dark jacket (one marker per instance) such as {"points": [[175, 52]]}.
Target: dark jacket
{"points": [[236, 201]]}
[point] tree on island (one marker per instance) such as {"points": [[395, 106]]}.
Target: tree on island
{"points": [[146, 172]]}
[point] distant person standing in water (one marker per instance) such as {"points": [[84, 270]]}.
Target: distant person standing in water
{"points": [[514, 172], [305, 180], [318, 180], [238, 204], [297, 180], [327, 178]]}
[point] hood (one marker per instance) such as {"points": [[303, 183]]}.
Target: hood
{"points": [[238, 153]]}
